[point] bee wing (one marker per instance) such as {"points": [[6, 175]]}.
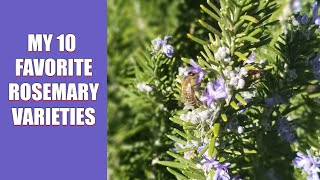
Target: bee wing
{"points": [[189, 88], [187, 91]]}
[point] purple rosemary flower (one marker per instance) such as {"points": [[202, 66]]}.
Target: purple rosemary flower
{"points": [[296, 6], [213, 93], [221, 171], [208, 163], [165, 40], [251, 58], [200, 148], [166, 48], [315, 17], [308, 163], [303, 19], [195, 68], [315, 8], [286, 130]]}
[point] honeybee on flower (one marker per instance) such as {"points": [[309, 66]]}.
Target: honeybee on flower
{"points": [[190, 83]]}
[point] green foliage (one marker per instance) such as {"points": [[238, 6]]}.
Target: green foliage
{"points": [[243, 27], [130, 25], [149, 135]]}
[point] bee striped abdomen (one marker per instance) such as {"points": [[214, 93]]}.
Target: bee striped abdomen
{"points": [[188, 88]]}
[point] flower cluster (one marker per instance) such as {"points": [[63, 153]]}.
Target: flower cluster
{"points": [[236, 77], [315, 16], [159, 44], [189, 151], [213, 93], [144, 87], [196, 116], [303, 18], [309, 164], [222, 54], [209, 163]]}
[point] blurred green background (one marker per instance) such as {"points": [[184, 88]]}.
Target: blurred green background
{"points": [[136, 138]]}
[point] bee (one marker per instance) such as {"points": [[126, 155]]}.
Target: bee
{"points": [[189, 86]]}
